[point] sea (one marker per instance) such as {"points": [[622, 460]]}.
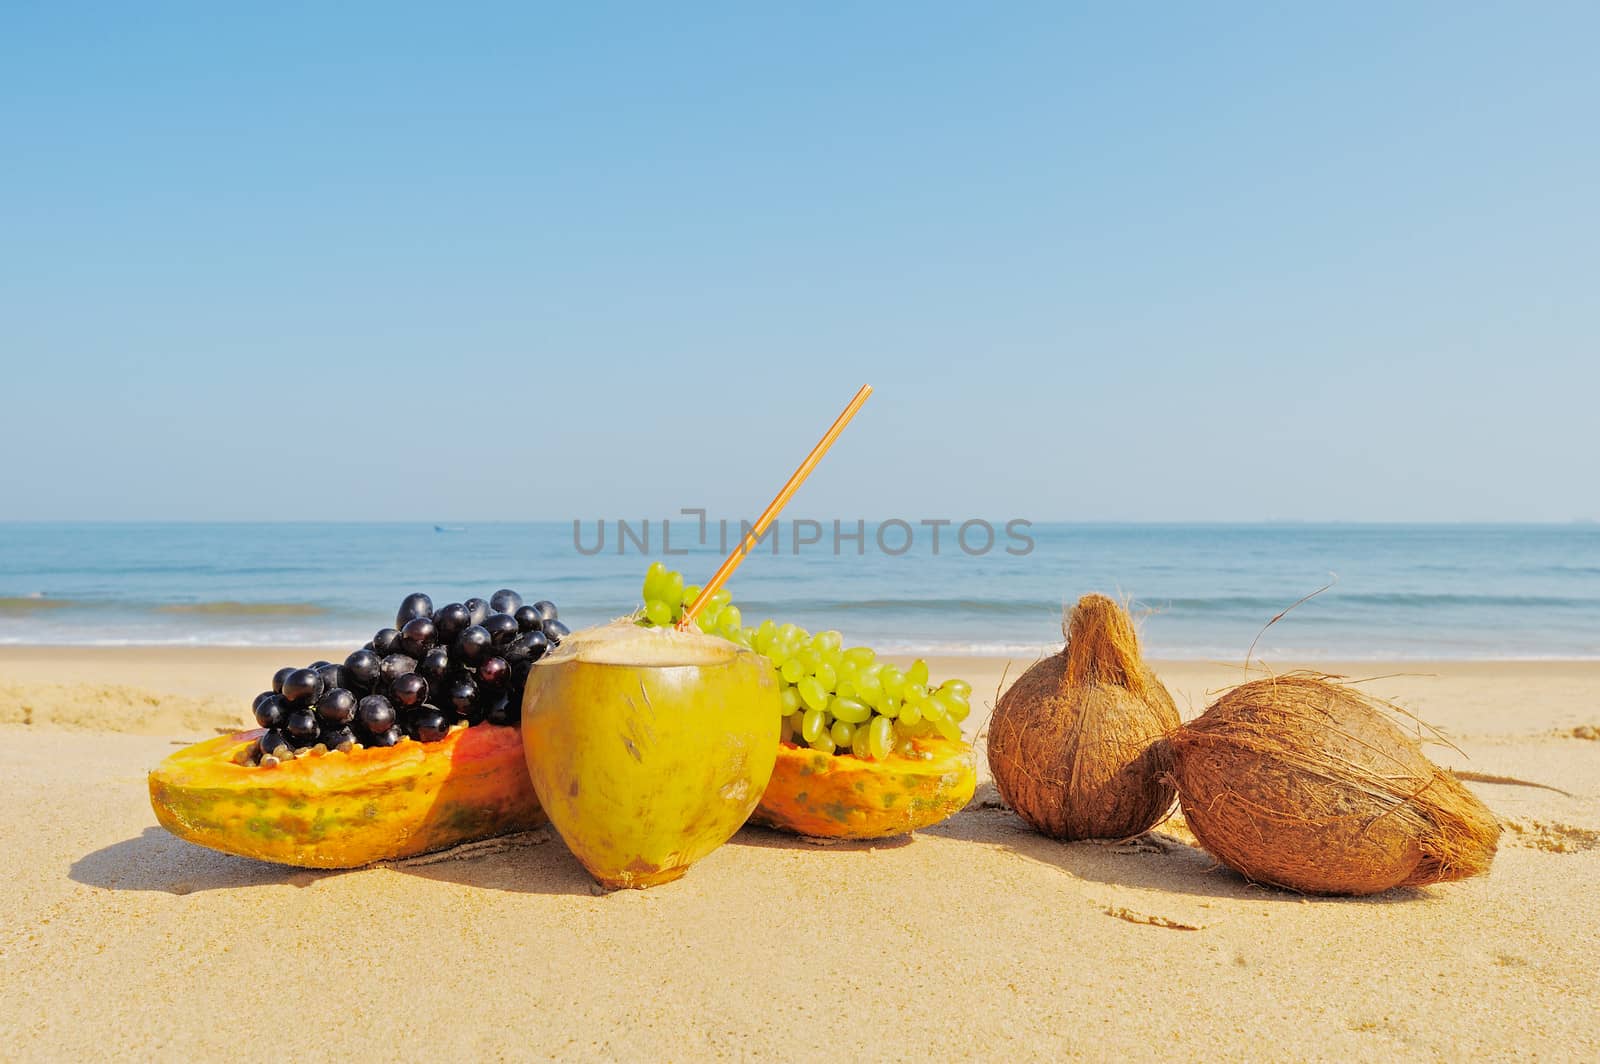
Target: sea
{"points": [[1200, 591]]}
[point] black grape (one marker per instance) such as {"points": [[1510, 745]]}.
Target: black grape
{"points": [[365, 666], [392, 668], [449, 620], [502, 627], [376, 714], [386, 642], [473, 644], [337, 706], [301, 687], [417, 636], [413, 605]]}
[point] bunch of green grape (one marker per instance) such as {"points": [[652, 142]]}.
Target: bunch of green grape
{"points": [[836, 699]]}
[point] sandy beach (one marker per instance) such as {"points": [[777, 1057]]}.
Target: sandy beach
{"points": [[977, 938]]}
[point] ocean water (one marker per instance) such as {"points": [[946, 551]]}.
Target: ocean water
{"points": [[1202, 591]]}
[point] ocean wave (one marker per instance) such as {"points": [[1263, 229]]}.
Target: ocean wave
{"points": [[901, 648], [31, 604], [231, 608], [1014, 607], [1440, 600]]}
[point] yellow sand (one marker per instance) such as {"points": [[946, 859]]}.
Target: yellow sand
{"points": [[977, 939]]}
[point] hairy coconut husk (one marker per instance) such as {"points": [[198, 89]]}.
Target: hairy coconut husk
{"points": [[1075, 743], [1305, 783]]}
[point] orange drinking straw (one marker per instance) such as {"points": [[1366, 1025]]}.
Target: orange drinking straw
{"points": [[731, 562]]}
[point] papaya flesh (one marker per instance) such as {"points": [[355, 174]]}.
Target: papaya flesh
{"points": [[344, 810], [840, 796]]}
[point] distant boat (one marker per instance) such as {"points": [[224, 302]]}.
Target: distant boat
{"points": [[449, 528]]}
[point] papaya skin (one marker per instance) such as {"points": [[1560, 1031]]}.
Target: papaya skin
{"points": [[347, 810], [833, 796]]}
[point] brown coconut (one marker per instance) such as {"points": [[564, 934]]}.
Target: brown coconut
{"points": [[1305, 783], [1075, 743]]}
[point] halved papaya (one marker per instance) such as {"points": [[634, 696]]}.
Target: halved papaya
{"points": [[841, 796], [343, 810]]}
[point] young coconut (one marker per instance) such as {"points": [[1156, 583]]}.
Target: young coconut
{"points": [[650, 746], [1075, 743], [1304, 783]]}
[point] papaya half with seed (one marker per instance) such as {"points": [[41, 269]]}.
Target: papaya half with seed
{"points": [[344, 810], [841, 796]]}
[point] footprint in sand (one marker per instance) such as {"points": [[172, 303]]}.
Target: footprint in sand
{"points": [[1552, 837]]}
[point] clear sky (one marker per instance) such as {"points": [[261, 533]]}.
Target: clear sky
{"points": [[482, 261]]}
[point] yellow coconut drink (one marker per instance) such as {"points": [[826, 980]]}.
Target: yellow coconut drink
{"points": [[648, 747]]}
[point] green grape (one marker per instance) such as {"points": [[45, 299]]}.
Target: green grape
{"points": [[766, 636], [869, 688], [833, 698], [789, 648], [959, 707], [850, 709], [671, 589], [861, 742], [860, 657], [812, 694], [881, 738], [654, 580]]}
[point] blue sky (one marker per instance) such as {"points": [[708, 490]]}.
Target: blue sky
{"points": [[1101, 262]]}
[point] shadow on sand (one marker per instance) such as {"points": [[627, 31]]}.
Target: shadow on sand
{"points": [[533, 862], [765, 838], [537, 862], [1157, 861], [159, 861]]}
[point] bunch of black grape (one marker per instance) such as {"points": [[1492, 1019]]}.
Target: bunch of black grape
{"points": [[463, 663]]}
